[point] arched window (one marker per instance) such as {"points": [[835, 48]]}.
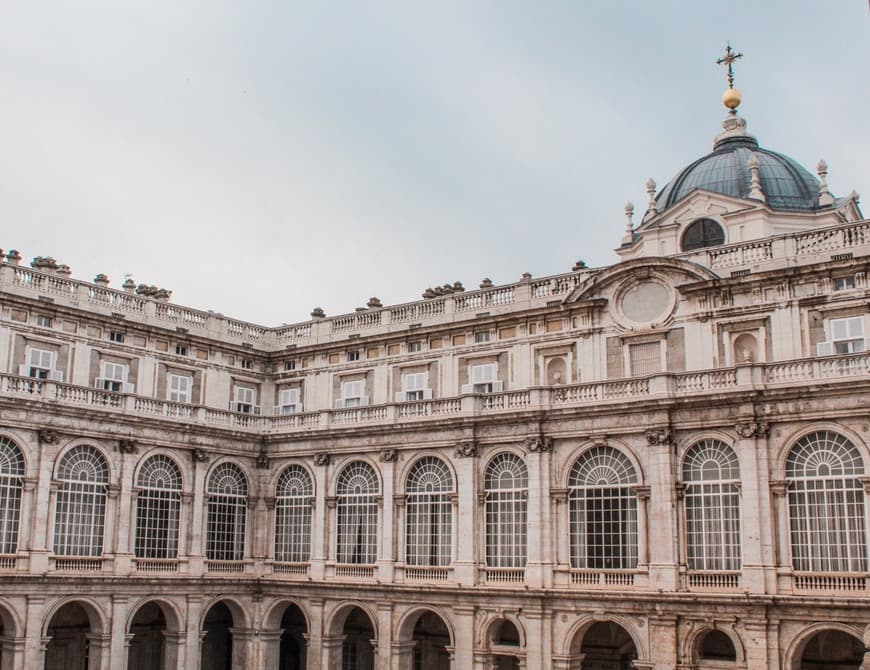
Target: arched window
{"points": [[506, 485], [158, 507], [357, 492], [293, 515], [227, 513], [429, 525], [603, 511], [826, 504], [11, 472], [80, 508], [702, 233], [711, 474]]}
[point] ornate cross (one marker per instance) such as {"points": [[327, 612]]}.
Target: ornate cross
{"points": [[728, 59]]}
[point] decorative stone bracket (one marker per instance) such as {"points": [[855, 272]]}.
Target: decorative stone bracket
{"points": [[322, 458], [755, 428], [127, 446], [199, 456], [659, 436], [47, 436], [466, 450], [389, 456], [540, 444]]}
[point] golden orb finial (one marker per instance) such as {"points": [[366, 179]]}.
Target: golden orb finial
{"points": [[731, 98]]}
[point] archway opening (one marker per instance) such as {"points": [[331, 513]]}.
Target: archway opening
{"points": [[832, 650], [68, 631], [504, 639], [607, 646], [357, 652], [293, 644], [217, 643], [146, 650], [431, 639], [717, 646]]}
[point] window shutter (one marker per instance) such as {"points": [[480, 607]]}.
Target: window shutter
{"points": [[497, 386], [129, 388], [56, 375], [400, 396], [298, 406], [363, 400], [467, 388], [824, 349], [339, 403], [24, 370], [427, 394]]}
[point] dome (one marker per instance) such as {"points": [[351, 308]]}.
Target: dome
{"points": [[786, 184]]}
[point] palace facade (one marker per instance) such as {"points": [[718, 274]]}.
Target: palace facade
{"points": [[662, 464]]}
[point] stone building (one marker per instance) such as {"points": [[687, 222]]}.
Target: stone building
{"points": [[662, 463]]}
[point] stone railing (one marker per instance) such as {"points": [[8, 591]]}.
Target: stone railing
{"points": [[655, 387]]}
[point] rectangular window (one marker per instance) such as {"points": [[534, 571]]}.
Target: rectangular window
{"points": [[179, 388], [353, 394], [482, 336], [243, 400], [844, 283], [43, 321], [415, 347], [247, 364], [114, 378], [116, 336], [40, 364], [289, 365], [847, 335], [645, 358], [353, 356], [483, 379], [415, 387], [288, 401], [180, 350]]}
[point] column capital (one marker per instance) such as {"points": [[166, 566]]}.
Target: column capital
{"points": [[778, 487]]}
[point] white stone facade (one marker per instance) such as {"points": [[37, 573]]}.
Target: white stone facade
{"points": [[659, 464]]}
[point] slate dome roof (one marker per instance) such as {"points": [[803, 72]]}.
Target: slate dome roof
{"points": [[786, 184]]}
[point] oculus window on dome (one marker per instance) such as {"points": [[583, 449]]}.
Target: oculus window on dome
{"points": [[701, 234]]}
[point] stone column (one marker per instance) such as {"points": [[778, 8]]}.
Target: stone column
{"points": [[537, 653], [319, 523], [400, 526], [193, 633], [269, 642], [642, 493], [756, 532], [755, 644], [112, 494], [402, 655], [28, 511], [34, 649], [539, 558], [43, 510], [663, 642], [662, 555], [184, 514], [314, 653], [196, 536], [118, 638], [463, 643], [99, 653], [243, 651], [384, 642], [331, 652], [779, 491], [13, 653], [174, 648], [560, 531], [124, 512], [386, 553], [465, 567]]}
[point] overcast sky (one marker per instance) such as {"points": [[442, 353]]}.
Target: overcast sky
{"points": [[261, 158]]}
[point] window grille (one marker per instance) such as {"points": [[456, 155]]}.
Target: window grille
{"points": [[603, 511], [357, 492], [429, 510], [826, 504], [11, 472], [711, 474], [293, 515], [158, 508], [80, 508], [506, 485], [227, 513], [645, 358]]}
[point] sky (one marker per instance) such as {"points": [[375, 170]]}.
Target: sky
{"points": [[262, 158]]}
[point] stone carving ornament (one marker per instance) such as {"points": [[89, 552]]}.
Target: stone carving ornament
{"points": [[321, 459], [748, 429], [47, 436], [389, 456], [466, 450], [539, 444]]}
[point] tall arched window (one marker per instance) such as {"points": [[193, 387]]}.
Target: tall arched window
{"points": [[11, 472], [227, 513], [80, 509], [293, 515], [603, 511], [429, 524], [826, 504], [357, 492], [158, 507], [506, 485], [711, 474]]}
